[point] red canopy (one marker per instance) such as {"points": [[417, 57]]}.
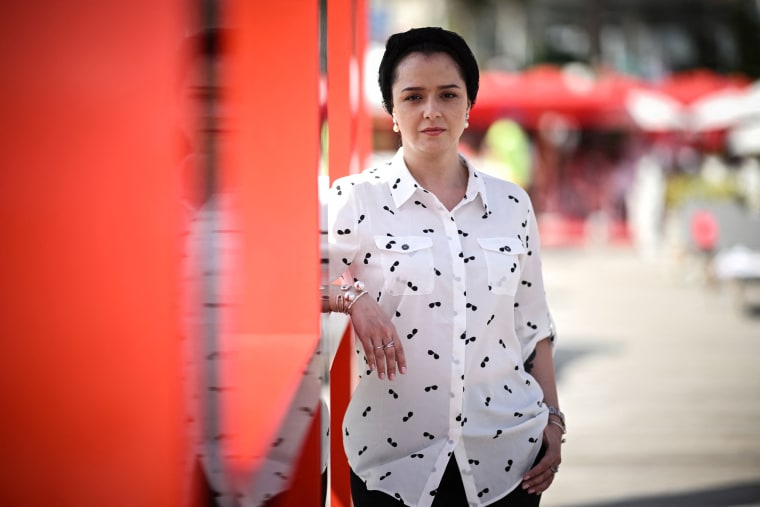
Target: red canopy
{"points": [[711, 103], [687, 87], [581, 98]]}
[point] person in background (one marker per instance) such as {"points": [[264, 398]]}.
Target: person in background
{"points": [[456, 404], [506, 153]]}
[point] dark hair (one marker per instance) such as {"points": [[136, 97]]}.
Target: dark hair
{"points": [[428, 40]]}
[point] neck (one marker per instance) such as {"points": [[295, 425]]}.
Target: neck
{"points": [[446, 177], [436, 171]]}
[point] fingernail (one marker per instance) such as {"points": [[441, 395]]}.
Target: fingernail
{"points": [[381, 375], [391, 376], [402, 370]]}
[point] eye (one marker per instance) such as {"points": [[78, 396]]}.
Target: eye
{"points": [[450, 95], [413, 97]]}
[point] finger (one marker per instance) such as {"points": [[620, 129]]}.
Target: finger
{"points": [[379, 355], [542, 484], [399, 355], [369, 353], [540, 477], [551, 457], [390, 359], [539, 483]]}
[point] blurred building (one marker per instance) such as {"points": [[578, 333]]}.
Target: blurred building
{"points": [[592, 172], [647, 38]]}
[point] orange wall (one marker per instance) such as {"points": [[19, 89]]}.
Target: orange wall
{"points": [[89, 381], [349, 148], [274, 166]]}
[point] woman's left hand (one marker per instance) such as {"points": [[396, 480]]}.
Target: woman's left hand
{"points": [[540, 477]]}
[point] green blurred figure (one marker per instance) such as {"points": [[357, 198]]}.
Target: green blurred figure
{"points": [[506, 153]]}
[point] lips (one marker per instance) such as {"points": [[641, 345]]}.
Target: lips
{"points": [[434, 131]]}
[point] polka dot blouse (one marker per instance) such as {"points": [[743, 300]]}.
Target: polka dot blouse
{"points": [[465, 291]]}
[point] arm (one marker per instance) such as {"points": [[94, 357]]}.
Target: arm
{"points": [[374, 329], [540, 477]]}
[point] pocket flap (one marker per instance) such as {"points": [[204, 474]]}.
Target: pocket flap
{"points": [[505, 245], [403, 244]]}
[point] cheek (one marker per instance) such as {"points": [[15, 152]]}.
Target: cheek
{"points": [[405, 115]]}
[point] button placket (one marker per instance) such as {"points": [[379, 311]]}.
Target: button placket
{"points": [[459, 324]]}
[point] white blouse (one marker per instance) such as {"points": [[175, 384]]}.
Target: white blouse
{"points": [[465, 292]]}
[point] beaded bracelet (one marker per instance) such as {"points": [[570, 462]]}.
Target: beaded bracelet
{"points": [[348, 296]]}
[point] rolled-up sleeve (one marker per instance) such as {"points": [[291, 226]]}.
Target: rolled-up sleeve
{"points": [[533, 320]]}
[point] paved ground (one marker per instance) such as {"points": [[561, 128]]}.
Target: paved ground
{"points": [[659, 376]]}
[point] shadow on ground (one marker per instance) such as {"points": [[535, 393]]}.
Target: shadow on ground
{"points": [[752, 311], [747, 494]]}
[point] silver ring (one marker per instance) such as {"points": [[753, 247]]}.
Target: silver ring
{"points": [[380, 347], [388, 345], [554, 469]]}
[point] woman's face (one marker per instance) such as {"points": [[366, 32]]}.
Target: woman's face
{"points": [[429, 102]]}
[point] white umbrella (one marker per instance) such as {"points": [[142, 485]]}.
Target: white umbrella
{"points": [[744, 136], [744, 139], [751, 102], [717, 110], [655, 111]]}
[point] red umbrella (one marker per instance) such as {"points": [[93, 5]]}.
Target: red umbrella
{"points": [[711, 103], [611, 92], [579, 97], [689, 86]]}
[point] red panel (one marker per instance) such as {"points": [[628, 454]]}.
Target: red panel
{"points": [[364, 118], [349, 143], [340, 48], [90, 377], [273, 167]]}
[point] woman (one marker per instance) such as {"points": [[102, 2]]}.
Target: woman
{"points": [[449, 309]]}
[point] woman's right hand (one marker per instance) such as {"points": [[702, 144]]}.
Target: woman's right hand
{"points": [[377, 334]]}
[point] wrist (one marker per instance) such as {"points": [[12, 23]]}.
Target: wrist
{"points": [[344, 299], [557, 428], [556, 413]]}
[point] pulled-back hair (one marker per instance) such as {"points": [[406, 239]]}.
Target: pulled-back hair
{"points": [[428, 40]]}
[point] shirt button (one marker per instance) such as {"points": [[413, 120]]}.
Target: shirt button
{"points": [[405, 247]]}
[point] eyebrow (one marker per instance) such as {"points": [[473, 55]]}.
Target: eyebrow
{"points": [[420, 88]]}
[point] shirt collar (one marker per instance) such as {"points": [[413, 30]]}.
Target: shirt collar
{"points": [[403, 185]]}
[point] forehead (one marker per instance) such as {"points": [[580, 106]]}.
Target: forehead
{"points": [[419, 69]]}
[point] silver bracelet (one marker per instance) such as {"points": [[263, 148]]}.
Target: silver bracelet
{"points": [[557, 412], [559, 425]]}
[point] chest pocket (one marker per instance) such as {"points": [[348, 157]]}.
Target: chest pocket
{"points": [[503, 261], [407, 264]]}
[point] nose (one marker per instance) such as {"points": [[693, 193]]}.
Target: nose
{"points": [[431, 108]]}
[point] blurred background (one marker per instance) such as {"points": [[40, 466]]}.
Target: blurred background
{"points": [[616, 115]]}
